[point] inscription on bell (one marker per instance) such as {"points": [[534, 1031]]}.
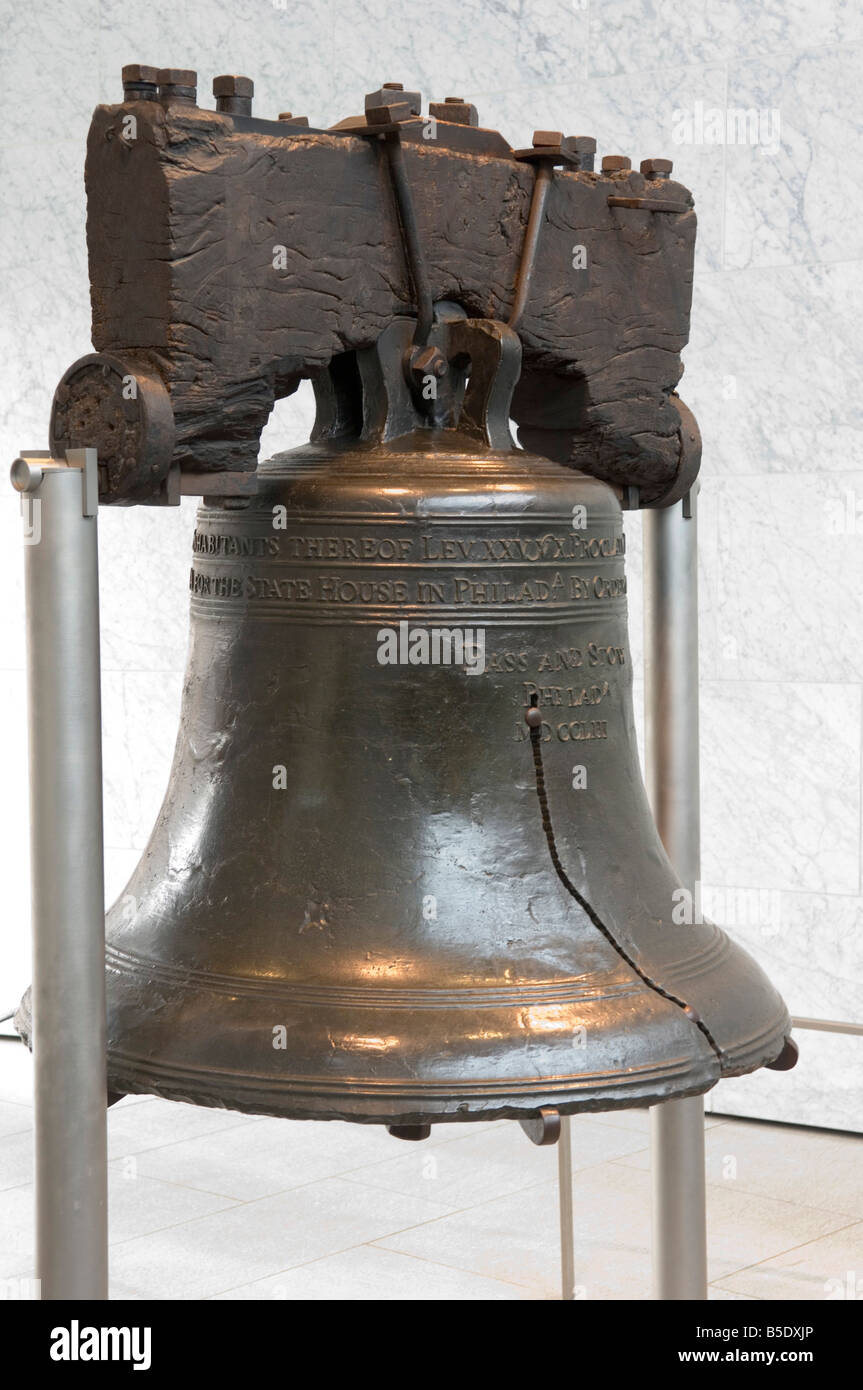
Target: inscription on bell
{"points": [[218, 543], [495, 550], [572, 731], [561, 659], [426, 548], [455, 591], [573, 696]]}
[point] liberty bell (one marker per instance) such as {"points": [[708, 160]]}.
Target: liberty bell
{"points": [[405, 870], [372, 892]]}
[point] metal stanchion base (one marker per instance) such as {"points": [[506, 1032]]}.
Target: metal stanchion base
{"points": [[567, 1234], [679, 1199]]}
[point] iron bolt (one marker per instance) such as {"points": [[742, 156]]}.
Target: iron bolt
{"points": [[455, 110], [429, 361], [230, 85], [614, 163], [585, 148], [656, 168], [233, 94], [384, 97], [178, 85], [140, 82]]}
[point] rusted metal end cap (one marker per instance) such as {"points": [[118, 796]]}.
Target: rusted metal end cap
{"points": [[410, 1132], [787, 1059], [121, 408]]}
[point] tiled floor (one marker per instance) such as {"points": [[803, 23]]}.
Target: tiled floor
{"points": [[210, 1204]]}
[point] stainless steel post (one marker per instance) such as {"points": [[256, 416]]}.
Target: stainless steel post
{"points": [[59, 499], [567, 1235], [672, 762]]}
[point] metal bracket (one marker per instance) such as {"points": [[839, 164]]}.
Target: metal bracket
{"points": [[29, 469], [648, 204], [543, 1129], [493, 351], [87, 461]]}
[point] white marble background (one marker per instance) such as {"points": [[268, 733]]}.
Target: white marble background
{"points": [[773, 374]]}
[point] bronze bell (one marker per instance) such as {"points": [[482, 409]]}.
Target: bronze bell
{"points": [[405, 870]]}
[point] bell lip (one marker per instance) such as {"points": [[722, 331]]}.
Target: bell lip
{"points": [[308, 1103], [458, 1104], [394, 1103]]}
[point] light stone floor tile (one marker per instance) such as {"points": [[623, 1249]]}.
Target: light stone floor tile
{"points": [[16, 1158], [639, 1120], [120, 1292], [16, 1232], [257, 1239], [261, 1157], [208, 1203], [746, 1227], [826, 1269], [368, 1273], [14, 1117], [138, 1207], [810, 1168], [480, 1167], [134, 1126], [515, 1238], [16, 1073]]}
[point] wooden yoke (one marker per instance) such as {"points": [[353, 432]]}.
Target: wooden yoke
{"points": [[230, 257]]}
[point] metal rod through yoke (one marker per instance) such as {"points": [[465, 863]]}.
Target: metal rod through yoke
{"points": [[539, 200], [413, 244]]}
